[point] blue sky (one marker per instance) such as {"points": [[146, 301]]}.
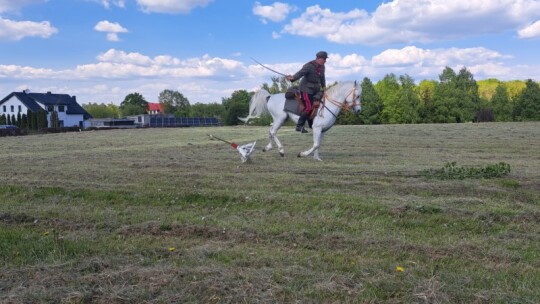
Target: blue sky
{"points": [[102, 50]]}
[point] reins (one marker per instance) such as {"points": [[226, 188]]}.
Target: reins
{"points": [[343, 105]]}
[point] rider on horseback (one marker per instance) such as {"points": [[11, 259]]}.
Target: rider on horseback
{"points": [[313, 79]]}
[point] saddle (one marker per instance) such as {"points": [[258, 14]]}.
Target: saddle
{"points": [[294, 103]]}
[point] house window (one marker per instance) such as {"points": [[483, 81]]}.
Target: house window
{"points": [[12, 108], [4, 109], [20, 109], [61, 108], [50, 108]]}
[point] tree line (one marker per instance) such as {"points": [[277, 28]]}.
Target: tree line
{"points": [[455, 98], [28, 121]]}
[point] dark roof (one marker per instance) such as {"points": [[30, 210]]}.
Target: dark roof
{"points": [[30, 100]]}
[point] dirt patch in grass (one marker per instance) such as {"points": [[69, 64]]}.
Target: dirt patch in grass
{"points": [[187, 231], [19, 218], [45, 223]]}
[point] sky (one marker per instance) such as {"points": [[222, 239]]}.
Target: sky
{"points": [[102, 50]]}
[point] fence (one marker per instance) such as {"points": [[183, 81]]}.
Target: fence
{"points": [[176, 122]]}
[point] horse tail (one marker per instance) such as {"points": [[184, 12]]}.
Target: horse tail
{"points": [[257, 105]]}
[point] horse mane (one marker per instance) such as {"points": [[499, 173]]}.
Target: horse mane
{"points": [[341, 85]]}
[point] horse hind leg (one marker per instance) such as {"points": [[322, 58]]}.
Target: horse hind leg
{"points": [[272, 137], [269, 146]]}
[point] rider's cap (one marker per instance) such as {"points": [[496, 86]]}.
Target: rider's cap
{"points": [[322, 54]]}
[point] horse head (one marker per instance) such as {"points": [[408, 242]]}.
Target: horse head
{"points": [[355, 99], [349, 95]]}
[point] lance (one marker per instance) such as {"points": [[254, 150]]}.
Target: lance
{"points": [[268, 68]]}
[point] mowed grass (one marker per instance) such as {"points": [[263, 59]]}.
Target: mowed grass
{"points": [[170, 216]]}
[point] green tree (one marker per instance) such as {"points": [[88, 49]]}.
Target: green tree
{"points": [[114, 110], [41, 119], [372, 105], [3, 119], [469, 102], [346, 117], [236, 106], [279, 85], [131, 109], [456, 97], [31, 120], [408, 105], [133, 104], [174, 102], [425, 90], [208, 110], [19, 119], [388, 90], [101, 110], [487, 87], [54, 120], [500, 102], [514, 88], [527, 106], [24, 122]]}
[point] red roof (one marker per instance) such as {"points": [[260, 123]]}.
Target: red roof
{"points": [[155, 107]]}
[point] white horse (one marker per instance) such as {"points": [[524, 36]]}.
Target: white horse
{"points": [[342, 95]]}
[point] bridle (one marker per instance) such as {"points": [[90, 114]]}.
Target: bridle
{"points": [[343, 105]]}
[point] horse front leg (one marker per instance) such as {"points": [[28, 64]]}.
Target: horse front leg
{"points": [[316, 152], [317, 134]]}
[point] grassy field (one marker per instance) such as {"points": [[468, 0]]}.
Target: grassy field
{"points": [[170, 216]]}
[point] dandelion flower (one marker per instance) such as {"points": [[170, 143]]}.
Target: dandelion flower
{"points": [[171, 249], [46, 233], [400, 269]]}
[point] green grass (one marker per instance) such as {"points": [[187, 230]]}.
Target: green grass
{"points": [[92, 216]]}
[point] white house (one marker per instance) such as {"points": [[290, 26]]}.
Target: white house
{"points": [[70, 113]]}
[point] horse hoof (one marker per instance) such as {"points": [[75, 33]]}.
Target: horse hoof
{"points": [[282, 154], [299, 155], [264, 149]]}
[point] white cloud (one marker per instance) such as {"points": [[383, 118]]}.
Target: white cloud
{"points": [[25, 72], [530, 31], [317, 22], [416, 57], [407, 21], [16, 5], [17, 30], [276, 12], [119, 64], [171, 6], [112, 29], [108, 3]]}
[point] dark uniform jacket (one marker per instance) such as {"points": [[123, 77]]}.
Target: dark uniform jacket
{"points": [[313, 78]]}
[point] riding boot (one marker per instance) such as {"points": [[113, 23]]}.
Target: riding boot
{"points": [[301, 121]]}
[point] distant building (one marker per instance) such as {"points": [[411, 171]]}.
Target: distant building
{"points": [[70, 113], [111, 123], [155, 108]]}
